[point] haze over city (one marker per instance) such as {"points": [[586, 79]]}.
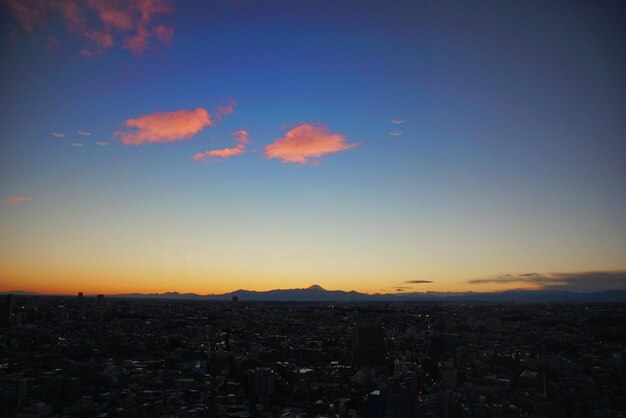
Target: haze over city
{"points": [[381, 147]]}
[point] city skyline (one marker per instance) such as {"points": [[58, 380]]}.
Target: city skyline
{"points": [[158, 146]]}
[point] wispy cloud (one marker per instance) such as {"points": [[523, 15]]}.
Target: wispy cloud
{"points": [[241, 137], [221, 153], [12, 200], [397, 121], [306, 142], [395, 133], [103, 24], [84, 133], [418, 281], [164, 34], [102, 143], [58, 134], [581, 281], [76, 144], [225, 110], [164, 127]]}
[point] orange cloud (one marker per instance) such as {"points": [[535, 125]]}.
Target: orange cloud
{"points": [[103, 23], [241, 137], [307, 141], [164, 127], [11, 200]]}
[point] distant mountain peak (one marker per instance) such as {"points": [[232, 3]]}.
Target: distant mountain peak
{"points": [[315, 287]]}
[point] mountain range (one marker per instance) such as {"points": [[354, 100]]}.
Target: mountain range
{"points": [[317, 293]]}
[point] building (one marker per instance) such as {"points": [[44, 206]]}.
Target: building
{"points": [[7, 309], [369, 346]]}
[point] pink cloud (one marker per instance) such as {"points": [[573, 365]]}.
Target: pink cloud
{"points": [[74, 15], [147, 9], [12, 200], [102, 40], [113, 14], [225, 110], [241, 137], [102, 23], [29, 14], [164, 127], [220, 153], [307, 141]]}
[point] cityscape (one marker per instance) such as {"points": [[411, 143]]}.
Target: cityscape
{"points": [[99, 356], [312, 209]]}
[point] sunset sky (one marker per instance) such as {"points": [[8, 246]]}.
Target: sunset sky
{"points": [[207, 146]]}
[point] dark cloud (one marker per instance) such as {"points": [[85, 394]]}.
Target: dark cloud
{"points": [[578, 282], [418, 281]]}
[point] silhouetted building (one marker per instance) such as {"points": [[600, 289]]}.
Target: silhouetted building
{"points": [[7, 309], [369, 345], [100, 299], [80, 295]]}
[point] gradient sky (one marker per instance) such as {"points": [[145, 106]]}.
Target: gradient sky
{"points": [[249, 144]]}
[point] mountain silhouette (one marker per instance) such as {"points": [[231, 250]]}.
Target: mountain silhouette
{"points": [[316, 293]]}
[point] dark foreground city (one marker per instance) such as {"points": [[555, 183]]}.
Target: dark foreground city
{"points": [[113, 357]]}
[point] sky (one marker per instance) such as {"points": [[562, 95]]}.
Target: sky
{"points": [[400, 146]]}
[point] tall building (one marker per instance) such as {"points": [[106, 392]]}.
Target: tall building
{"points": [[7, 309], [369, 345]]}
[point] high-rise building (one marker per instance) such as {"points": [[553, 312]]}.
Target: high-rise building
{"points": [[7, 309]]}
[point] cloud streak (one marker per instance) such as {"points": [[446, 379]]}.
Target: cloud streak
{"points": [[12, 200], [397, 121], [102, 143], [84, 133], [103, 24], [164, 127], [58, 134], [76, 144], [241, 137], [395, 133], [418, 281], [307, 142], [578, 281]]}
